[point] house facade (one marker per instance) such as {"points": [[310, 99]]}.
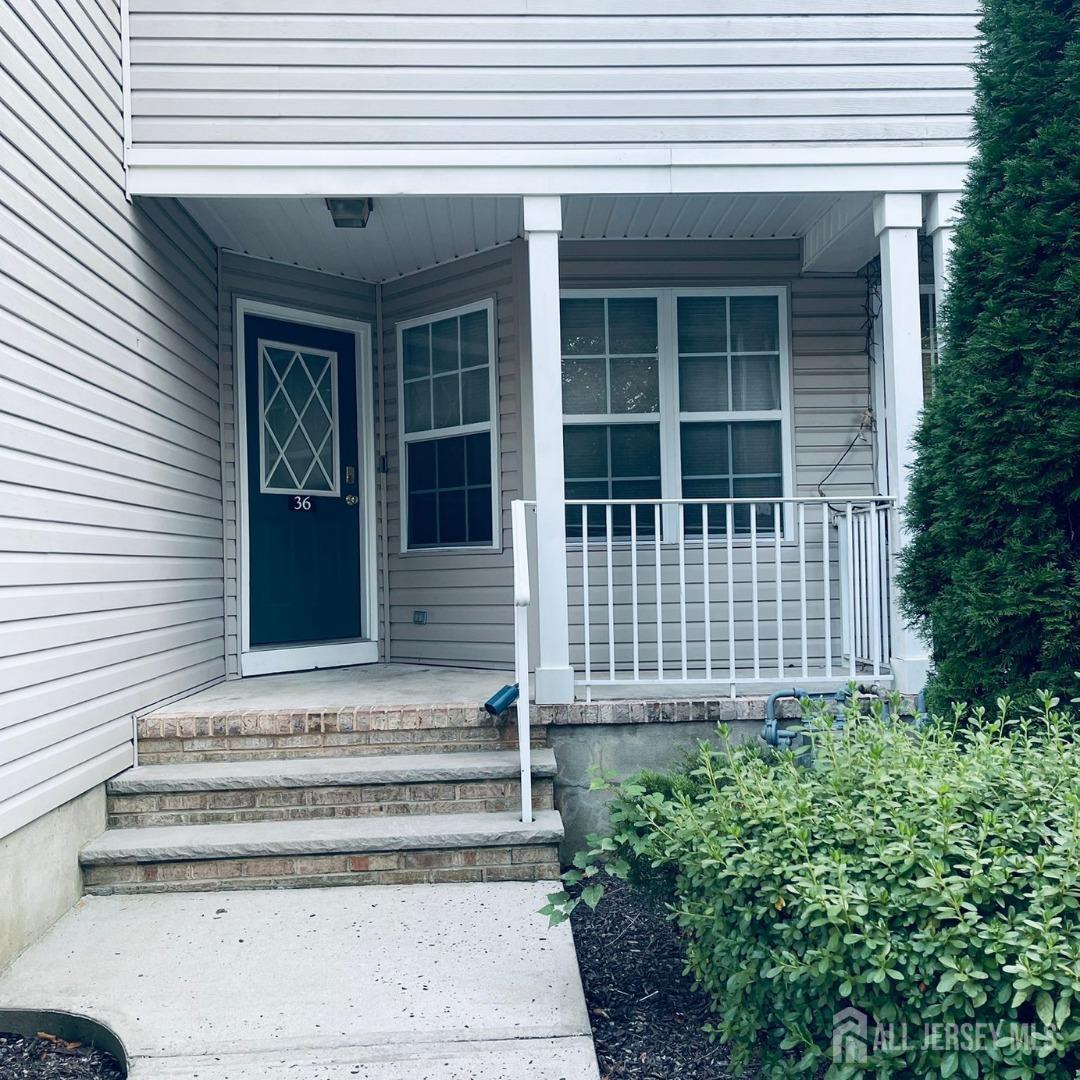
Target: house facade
{"points": [[299, 300]]}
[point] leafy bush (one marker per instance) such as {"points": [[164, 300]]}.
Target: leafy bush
{"points": [[926, 877]]}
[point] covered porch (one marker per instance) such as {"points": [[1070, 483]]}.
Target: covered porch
{"points": [[703, 403]]}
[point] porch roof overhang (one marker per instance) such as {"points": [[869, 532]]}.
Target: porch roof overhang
{"points": [[274, 171], [407, 234]]}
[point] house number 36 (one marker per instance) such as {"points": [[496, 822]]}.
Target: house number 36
{"points": [[301, 502]]}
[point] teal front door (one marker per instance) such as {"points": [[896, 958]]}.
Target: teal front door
{"points": [[304, 517]]}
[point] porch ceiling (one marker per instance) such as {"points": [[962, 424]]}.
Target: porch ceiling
{"points": [[405, 235]]}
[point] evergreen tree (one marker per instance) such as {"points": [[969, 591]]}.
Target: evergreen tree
{"points": [[993, 571]]}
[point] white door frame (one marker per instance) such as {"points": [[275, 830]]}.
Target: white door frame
{"points": [[365, 650]]}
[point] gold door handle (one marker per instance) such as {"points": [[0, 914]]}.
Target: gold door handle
{"points": [[352, 500]]}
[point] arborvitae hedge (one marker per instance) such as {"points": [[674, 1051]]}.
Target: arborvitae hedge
{"points": [[993, 572]]}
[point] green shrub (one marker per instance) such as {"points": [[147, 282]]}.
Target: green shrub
{"points": [[926, 877], [993, 571]]}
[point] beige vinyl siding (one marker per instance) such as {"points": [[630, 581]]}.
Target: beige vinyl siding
{"points": [[509, 72], [468, 595], [830, 394], [111, 529], [288, 286]]}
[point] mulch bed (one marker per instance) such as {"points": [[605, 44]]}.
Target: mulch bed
{"points": [[50, 1058], [646, 1018]]}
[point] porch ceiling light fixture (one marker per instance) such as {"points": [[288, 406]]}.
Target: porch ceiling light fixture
{"points": [[350, 213]]}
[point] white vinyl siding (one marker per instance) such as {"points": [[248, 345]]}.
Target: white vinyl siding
{"points": [[111, 529], [548, 76]]}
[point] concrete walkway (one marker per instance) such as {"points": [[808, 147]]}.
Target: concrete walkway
{"points": [[429, 982]]}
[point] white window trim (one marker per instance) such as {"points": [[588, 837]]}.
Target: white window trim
{"points": [[491, 424], [335, 489], [671, 416]]}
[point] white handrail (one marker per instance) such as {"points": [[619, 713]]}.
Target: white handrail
{"points": [[522, 598]]}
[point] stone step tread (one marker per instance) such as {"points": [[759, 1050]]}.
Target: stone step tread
{"points": [[326, 772], [170, 843]]}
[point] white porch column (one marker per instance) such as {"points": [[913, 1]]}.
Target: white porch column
{"points": [[940, 218], [897, 219], [543, 223]]}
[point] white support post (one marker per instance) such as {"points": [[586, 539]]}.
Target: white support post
{"points": [[543, 223], [941, 216], [897, 219]]}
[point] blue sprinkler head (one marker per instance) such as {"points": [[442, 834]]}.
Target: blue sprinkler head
{"points": [[502, 699]]}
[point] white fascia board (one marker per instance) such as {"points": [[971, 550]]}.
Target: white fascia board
{"points": [[265, 172]]}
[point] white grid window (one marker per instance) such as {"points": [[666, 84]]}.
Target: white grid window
{"points": [[676, 394], [447, 408]]}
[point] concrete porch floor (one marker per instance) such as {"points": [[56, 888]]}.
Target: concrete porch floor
{"points": [[340, 688], [443, 982]]}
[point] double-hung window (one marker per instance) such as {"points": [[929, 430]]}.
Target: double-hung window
{"points": [[677, 394], [447, 409]]}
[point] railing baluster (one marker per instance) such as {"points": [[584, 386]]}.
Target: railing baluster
{"points": [[659, 595], [802, 589], [875, 597], [634, 587], [586, 606], [851, 588], [729, 525], [826, 571], [706, 614], [682, 584], [779, 594], [754, 589], [610, 597]]}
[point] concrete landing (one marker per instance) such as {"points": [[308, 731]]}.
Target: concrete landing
{"points": [[340, 688], [446, 982]]}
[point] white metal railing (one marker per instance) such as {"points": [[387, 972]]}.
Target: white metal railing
{"points": [[736, 591], [522, 598]]}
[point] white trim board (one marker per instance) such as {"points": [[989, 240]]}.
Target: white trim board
{"points": [[331, 654]]}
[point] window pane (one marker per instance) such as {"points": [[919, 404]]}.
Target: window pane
{"points": [[755, 382], [755, 324], [585, 451], [451, 458], [632, 324], [449, 491], [702, 322], [444, 345], [704, 453], [635, 450], [446, 406], [755, 448], [416, 347], [474, 338], [475, 400], [582, 326], [703, 384], [584, 389], [453, 520], [635, 385], [478, 458], [418, 406]]}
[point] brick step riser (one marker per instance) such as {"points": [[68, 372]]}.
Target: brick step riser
{"points": [[174, 749], [292, 804], [538, 862]]}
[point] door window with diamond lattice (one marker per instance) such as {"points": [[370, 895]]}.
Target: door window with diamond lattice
{"points": [[298, 420]]}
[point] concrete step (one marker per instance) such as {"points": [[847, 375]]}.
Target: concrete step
{"points": [[204, 793], [173, 736], [388, 850]]}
